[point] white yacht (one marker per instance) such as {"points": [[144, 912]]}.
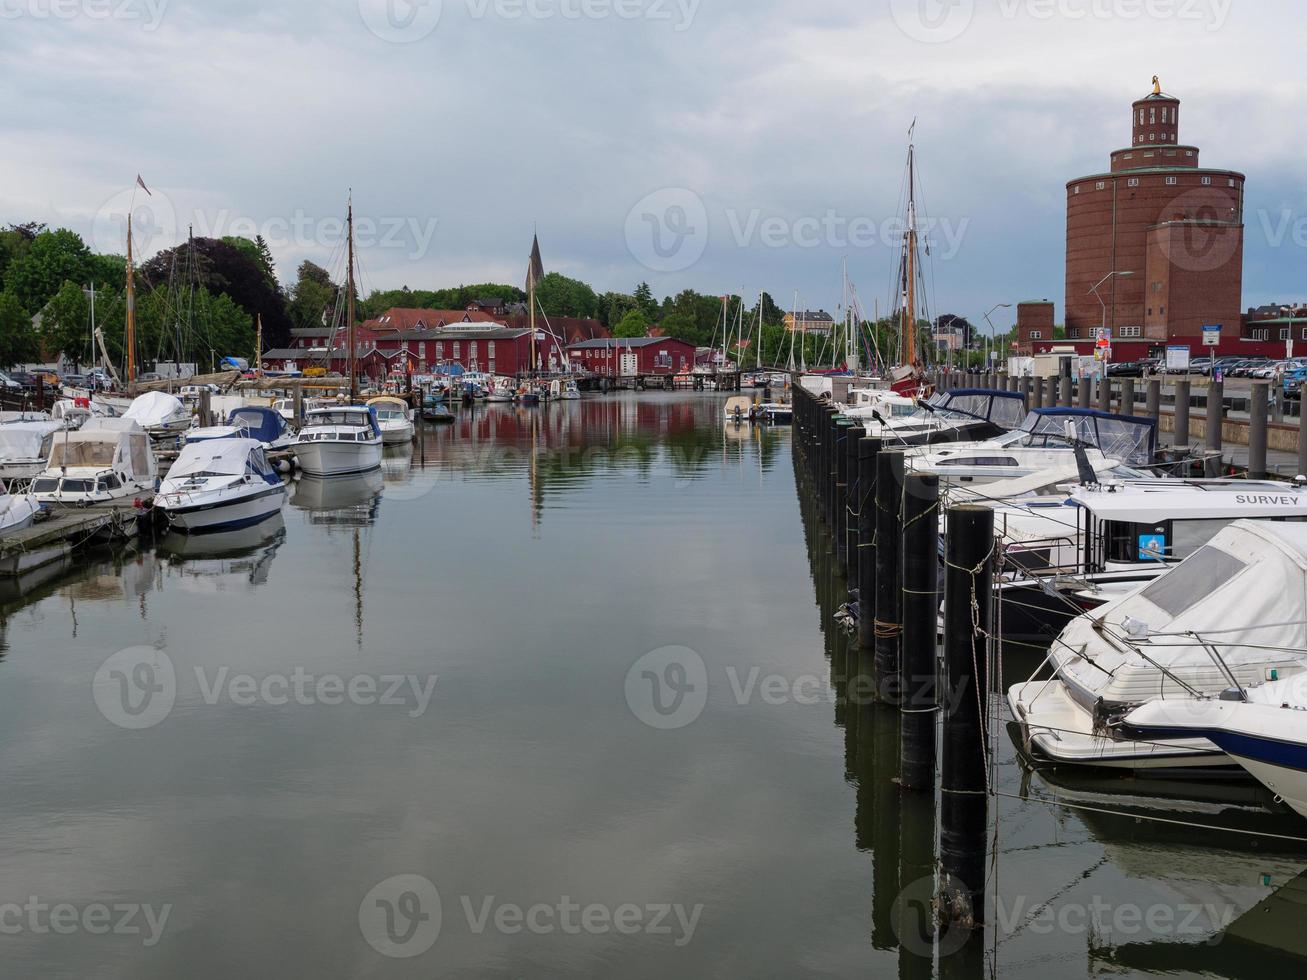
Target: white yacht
{"points": [[103, 461], [17, 511], [220, 485], [1231, 617], [266, 425], [963, 415], [395, 419], [339, 441], [1048, 438], [877, 404]]}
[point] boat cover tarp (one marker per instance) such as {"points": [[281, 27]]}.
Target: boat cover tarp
{"points": [[22, 440], [219, 457], [104, 443], [1124, 437], [154, 408], [263, 424]]}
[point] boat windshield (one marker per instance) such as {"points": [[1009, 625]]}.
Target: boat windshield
{"points": [[1193, 580], [338, 417], [1120, 438], [82, 453]]}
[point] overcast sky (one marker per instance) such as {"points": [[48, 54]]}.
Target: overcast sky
{"points": [[715, 144]]}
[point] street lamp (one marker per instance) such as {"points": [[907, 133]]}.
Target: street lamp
{"points": [[993, 339], [1094, 290]]}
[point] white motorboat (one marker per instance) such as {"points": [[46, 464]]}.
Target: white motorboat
{"points": [[1263, 729], [739, 409], [499, 389], [1048, 439], [878, 404], [339, 441], [159, 414], [1231, 616], [285, 407], [1067, 552], [25, 449], [265, 425], [104, 460], [220, 485], [17, 511], [963, 415], [395, 419]]}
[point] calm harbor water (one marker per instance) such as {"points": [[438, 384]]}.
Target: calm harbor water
{"points": [[556, 694]]}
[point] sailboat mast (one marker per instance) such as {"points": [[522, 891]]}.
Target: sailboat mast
{"points": [[131, 312], [910, 313], [258, 342], [349, 307]]}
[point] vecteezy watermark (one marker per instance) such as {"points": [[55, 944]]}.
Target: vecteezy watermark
{"points": [[406, 21], [40, 918], [667, 230], [940, 21], [668, 688], [920, 926], [137, 688], [148, 12], [402, 917], [1283, 227], [157, 224]]}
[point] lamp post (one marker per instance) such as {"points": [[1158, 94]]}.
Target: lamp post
{"points": [[1094, 289], [993, 339]]}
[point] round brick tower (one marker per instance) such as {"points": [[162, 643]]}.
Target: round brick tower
{"points": [[1176, 227]]}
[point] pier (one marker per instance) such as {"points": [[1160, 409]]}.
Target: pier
{"points": [[66, 530]]}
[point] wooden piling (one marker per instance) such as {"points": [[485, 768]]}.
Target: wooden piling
{"points": [[1258, 409], [868, 454], [1127, 406], [1180, 435], [1155, 401], [853, 437], [1215, 425]]}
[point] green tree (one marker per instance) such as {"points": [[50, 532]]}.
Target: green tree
{"points": [[52, 258], [645, 302], [634, 324], [560, 296], [313, 297], [65, 323], [614, 306], [678, 325], [18, 341]]}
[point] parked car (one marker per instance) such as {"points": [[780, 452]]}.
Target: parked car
{"points": [[1126, 369], [8, 383], [1293, 381], [1200, 365], [1245, 367]]}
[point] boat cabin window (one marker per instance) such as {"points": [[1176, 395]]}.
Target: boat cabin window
{"points": [[1202, 574], [110, 482], [1128, 542], [78, 486], [45, 486], [338, 418], [68, 453], [982, 461]]}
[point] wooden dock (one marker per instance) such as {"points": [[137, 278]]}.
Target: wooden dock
{"points": [[65, 530]]}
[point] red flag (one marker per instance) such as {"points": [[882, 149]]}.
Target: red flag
{"points": [[142, 185]]}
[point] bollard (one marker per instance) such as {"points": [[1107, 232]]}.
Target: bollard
{"points": [[1104, 394], [964, 815], [868, 452], [1025, 389], [1155, 401], [889, 619], [1084, 389], [1257, 420], [1180, 437], [825, 472], [1215, 423], [206, 418], [1127, 396], [1064, 391], [852, 440], [920, 578], [1036, 399], [299, 406]]}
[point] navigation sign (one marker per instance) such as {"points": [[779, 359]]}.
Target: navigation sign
{"points": [[1211, 334]]}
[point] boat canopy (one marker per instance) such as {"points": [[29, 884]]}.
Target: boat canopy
{"points": [[356, 415], [1006, 409], [1244, 593], [1125, 437], [154, 408], [26, 440], [262, 424], [101, 444], [221, 457]]}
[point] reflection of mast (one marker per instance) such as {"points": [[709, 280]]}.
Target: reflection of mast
{"points": [[358, 591]]}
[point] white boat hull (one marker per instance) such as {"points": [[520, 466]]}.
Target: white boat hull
{"points": [[225, 512], [324, 457], [396, 433]]}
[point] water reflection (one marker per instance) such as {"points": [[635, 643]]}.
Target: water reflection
{"points": [[342, 501], [246, 553]]}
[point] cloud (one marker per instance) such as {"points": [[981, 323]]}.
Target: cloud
{"points": [[499, 120]]}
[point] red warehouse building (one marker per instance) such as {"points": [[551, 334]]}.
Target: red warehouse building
{"points": [[630, 356]]}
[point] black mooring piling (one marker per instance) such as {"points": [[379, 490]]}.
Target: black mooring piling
{"points": [[964, 812], [840, 518], [868, 454], [853, 508], [889, 618], [920, 561]]}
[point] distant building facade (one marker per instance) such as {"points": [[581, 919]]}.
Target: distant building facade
{"points": [[809, 321], [628, 356]]}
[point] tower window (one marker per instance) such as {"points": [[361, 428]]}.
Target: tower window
{"points": [[1231, 181], [1170, 181], [1076, 189], [1132, 182], [1152, 137], [1101, 185], [1207, 181]]}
